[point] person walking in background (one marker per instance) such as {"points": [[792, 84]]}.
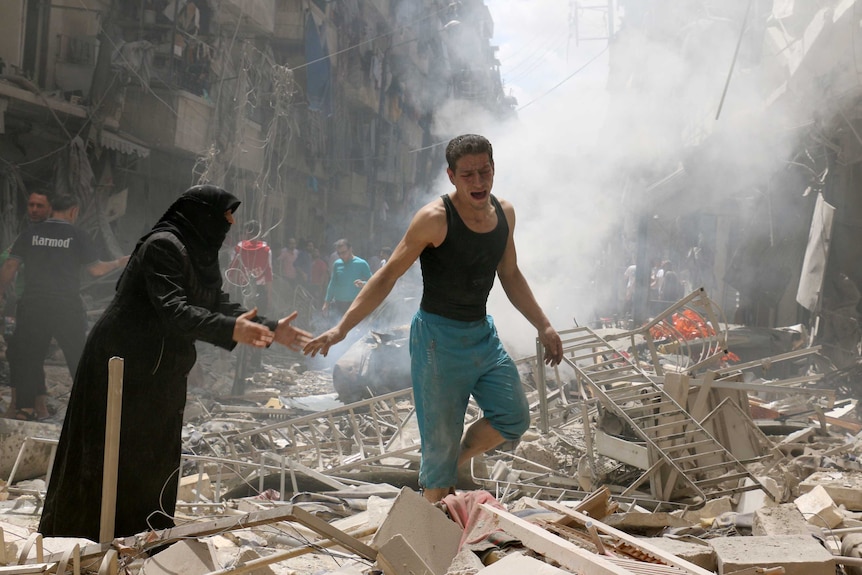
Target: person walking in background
{"points": [[50, 255], [253, 259], [169, 296], [319, 276], [349, 274], [287, 259], [464, 240], [303, 262], [671, 289], [38, 210], [38, 206]]}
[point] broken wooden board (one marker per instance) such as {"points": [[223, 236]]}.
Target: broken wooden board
{"points": [[640, 544], [151, 539]]}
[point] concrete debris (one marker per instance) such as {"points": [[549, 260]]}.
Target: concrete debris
{"points": [[632, 465]]}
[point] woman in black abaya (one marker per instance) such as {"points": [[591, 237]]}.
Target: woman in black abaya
{"points": [[168, 296]]}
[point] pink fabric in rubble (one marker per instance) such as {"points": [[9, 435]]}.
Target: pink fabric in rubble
{"points": [[464, 509]]}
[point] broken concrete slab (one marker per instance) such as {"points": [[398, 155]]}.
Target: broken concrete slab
{"points": [[189, 557], [397, 557], [701, 554], [844, 488], [751, 501], [851, 546], [818, 508], [246, 555], [34, 460], [194, 488], [783, 519], [709, 511], [644, 523], [425, 528], [518, 564], [798, 554], [466, 562]]}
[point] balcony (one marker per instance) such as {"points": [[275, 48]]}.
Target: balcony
{"points": [[253, 16], [75, 63], [358, 87], [353, 191], [289, 22], [149, 115], [168, 120]]}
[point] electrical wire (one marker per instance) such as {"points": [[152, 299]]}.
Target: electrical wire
{"points": [[535, 58], [564, 80]]}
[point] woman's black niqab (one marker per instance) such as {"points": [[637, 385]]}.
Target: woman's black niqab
{"points": [[197, 219]]}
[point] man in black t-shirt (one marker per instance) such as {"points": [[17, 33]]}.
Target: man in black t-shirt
{"points": [[53, 251]]}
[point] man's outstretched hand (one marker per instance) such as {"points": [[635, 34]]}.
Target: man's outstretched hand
{"points": [[289, 336], [553, 346], [323, 342]]}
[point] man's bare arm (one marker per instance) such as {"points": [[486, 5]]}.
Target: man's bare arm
{"points": [[427, 228], [519, 293], [100, 268]]}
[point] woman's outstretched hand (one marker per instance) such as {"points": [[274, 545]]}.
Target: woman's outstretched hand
{"points": [[250, 332], [289, 336]]}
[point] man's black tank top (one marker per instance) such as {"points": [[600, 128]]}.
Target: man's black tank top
{"points": [[458, 274]]}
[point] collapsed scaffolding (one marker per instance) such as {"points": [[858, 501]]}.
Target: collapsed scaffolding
{"points": [[661, 405]]}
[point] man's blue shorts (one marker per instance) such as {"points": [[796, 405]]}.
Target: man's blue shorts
{"points": [[450, 361]]}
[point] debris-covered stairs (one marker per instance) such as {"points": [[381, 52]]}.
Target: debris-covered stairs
{"points": [[685, 458]]}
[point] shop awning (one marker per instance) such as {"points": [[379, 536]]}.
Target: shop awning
{"points": [[123, 143]]}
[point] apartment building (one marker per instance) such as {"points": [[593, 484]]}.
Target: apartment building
{"points": [[318, 115]]}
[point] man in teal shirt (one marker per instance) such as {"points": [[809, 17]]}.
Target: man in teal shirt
{"points": [[349, 274]]}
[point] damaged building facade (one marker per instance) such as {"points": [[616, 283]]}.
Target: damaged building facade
{"points": [[654, 430], [318, 115], [748, 151]]}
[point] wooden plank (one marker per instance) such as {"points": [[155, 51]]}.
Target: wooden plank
{"points": [[256, 564], [274, 515], [850, 426], [699, 408], [563, 552], [641, 544], [26, 569], [330, 532], [624, 451], [676, 385], [112, 450]]}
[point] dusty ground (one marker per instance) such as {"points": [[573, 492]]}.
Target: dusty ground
{"points": [[283, 374], [211, 379]]}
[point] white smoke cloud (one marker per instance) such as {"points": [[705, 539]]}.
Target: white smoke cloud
{"points": [[542, 162], [560, 161]]}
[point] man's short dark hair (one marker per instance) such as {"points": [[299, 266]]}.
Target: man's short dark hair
{"points": [[467, 144], [342, 243], [43, 192], [64, 202]]}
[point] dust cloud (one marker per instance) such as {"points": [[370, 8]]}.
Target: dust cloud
{"points": [[587, 144]]}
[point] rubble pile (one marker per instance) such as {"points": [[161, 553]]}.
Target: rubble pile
{"points": [[652, 451]]}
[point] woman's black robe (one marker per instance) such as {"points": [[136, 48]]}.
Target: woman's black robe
{"points": [[161, 307]]}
